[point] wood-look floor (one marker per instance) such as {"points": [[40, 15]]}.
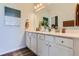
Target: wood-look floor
{"points": [[21, 52]]}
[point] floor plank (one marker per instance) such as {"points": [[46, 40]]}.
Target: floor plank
{"points": [[21, 52]]}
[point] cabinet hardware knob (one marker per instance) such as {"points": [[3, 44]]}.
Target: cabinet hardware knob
{"points": [[62, 41], [49, 45]]}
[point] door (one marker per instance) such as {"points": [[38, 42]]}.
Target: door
{"points": [[62, 51], [28, 40], [51, 49], [42, 48], [33, 43]]}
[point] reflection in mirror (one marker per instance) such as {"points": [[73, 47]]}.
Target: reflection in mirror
{"points": [[45, 12], [65, 12]]}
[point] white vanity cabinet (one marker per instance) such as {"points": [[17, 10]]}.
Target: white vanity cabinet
{"points": [[42, 46], [31, 41], [58, 46], [57, 50], [34, 43], [28, 40], [49, 45], [63, 47]]}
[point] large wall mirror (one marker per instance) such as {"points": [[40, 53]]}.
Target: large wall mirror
{"points": [[45, 13], [61, 14]]}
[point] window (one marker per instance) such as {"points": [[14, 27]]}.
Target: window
{"points": [[12, 16], [12, 12]]}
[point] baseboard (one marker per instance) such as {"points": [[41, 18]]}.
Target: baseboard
{"points": [[12, 50]]}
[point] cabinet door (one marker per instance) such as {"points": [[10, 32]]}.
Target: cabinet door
{"points": [[51, 49], [28, 40], [33, 43], [62, 51], [42, 48]]}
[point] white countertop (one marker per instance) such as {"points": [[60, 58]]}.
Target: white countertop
{"points": [[67, 35]]}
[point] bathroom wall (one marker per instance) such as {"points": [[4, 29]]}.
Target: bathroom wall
{"points": [[65, 11], [13, 37]]}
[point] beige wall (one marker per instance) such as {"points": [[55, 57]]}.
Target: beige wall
{"points": [[26, 11], [65, 11], [13, 37]]}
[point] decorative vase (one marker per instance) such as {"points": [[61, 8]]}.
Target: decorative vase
{"points": [[27, 25]]}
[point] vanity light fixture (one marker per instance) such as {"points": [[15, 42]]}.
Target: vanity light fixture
{"points": [[38, 6]]}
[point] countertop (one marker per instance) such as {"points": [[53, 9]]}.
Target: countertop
{"points": [[58, 34]]}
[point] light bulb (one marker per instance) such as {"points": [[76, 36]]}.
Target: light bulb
{"points": [[35, 7], [40, 4]]}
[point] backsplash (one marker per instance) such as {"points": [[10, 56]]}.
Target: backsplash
{"points": [[72, 31]]}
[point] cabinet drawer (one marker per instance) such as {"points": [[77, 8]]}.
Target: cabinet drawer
{"points": [[33, 35], [41, 36], [64, 41], [49, 38]]}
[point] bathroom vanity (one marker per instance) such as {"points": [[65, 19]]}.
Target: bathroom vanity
{"points": [[52, 44]]}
